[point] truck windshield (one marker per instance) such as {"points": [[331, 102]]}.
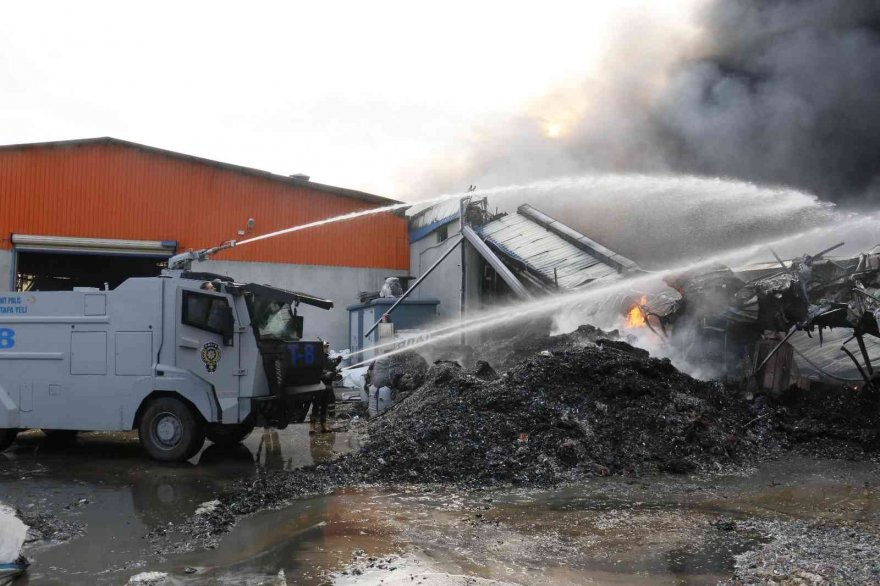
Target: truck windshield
{"points": [[274, 321]]}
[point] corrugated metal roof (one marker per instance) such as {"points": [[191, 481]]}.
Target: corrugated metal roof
{"points": [[298, 181], [444, 210], [543, 251], [426, 220], [829, 357]]}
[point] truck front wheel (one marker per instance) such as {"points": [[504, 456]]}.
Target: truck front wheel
{"points": [[229, 435], [7, 436], [169, 430]]}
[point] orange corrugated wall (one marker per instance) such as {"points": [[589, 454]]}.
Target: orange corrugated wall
{"points": [[116, 191]]}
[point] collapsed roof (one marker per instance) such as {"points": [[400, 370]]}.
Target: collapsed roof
{"points": [[531, 251], [559, 255]]}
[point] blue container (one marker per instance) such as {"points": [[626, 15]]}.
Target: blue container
{"points": [[412, 314]]}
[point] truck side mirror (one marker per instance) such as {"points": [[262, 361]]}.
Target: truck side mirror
{"points": [[228, 325]]}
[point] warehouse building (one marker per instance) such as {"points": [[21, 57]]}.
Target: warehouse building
{"points": [[94, 212]]}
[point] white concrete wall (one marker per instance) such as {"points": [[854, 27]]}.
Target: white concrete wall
{"points": [[339, 284], [445, 282], [6, 276]]}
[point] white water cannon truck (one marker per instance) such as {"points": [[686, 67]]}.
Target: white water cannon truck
{"points": [[178, 357]]}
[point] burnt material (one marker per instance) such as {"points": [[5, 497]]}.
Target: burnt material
{"points": [[604, 408]]}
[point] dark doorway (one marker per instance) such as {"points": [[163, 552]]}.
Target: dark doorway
{"points": [[51, 271]]}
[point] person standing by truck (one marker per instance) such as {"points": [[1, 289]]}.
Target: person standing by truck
{"points": [[379, 394], [321, 399]]}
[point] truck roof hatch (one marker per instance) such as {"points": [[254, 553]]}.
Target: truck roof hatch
{"points": [[284, 296]]}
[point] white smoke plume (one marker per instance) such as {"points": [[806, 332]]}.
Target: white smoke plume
{"points": [[770, 91]]}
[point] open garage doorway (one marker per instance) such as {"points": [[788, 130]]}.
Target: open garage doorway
{"points": [[44, 271], [45, 263]]}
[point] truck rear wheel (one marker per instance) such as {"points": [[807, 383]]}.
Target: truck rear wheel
{"points": [[229, 435], [7, 436], [169, 430]]}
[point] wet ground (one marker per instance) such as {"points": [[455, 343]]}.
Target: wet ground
{"points": [[106, 488], [616, 530]]}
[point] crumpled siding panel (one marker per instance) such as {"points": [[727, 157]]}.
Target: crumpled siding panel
{"points": [[542, 250]]}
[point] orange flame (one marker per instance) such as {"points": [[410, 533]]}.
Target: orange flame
{"points": [[635, 317]]}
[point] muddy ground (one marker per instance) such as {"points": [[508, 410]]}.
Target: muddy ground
{"points": [[584, 461], [660, 529]]}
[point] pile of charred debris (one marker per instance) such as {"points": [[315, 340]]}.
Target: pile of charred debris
{"points": [[568, 407], [589, 403], [739, 322]]}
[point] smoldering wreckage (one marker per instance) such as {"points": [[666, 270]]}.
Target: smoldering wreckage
{"points": [[525, 408], [739, 322]]}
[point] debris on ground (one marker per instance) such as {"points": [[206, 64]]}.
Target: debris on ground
{"points": [[44, 527], [572, 406], [813, 553], [207, 507], [408, 370], [148, 579], [403, 570], [505, 352], [265, 491], [578, 410]]}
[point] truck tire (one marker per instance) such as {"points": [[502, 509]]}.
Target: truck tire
{"points": [[169, 430], [7, 436], [229, 435]]}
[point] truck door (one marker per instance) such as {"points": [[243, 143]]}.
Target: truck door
{"points": [[201, 347]]}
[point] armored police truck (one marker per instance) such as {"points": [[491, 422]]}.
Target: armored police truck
{"points": [[179, 357]]}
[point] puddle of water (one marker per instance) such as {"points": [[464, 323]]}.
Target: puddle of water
{"points": [[606, 531], [655, 530], [127, 495]]}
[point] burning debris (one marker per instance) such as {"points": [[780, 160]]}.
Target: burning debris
{"points": [[636, 316], [724, 317]]}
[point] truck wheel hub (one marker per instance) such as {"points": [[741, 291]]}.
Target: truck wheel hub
{"points": [[167, 430]]}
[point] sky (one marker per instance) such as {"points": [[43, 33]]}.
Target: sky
{"points": [[356, 94]]}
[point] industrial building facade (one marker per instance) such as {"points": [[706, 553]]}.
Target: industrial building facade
{"points": [[94, 212]]}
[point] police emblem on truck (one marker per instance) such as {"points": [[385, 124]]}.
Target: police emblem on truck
{"points": [[211, 356]]}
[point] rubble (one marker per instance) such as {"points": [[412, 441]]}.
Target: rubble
{"points": [[49, 528], [798, 552], [717, 316], [575, 411], [572, 407], [148, 579], [503, 352], [408, 370]]}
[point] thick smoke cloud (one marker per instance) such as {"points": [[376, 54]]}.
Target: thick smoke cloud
{"points": [[789, 92], [770, 91]]}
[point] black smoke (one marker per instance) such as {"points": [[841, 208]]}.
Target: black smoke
{"points": [[787, 92], [783, 92]]}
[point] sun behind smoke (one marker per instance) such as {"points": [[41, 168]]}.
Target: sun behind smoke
{"points": [[553, 130]]}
